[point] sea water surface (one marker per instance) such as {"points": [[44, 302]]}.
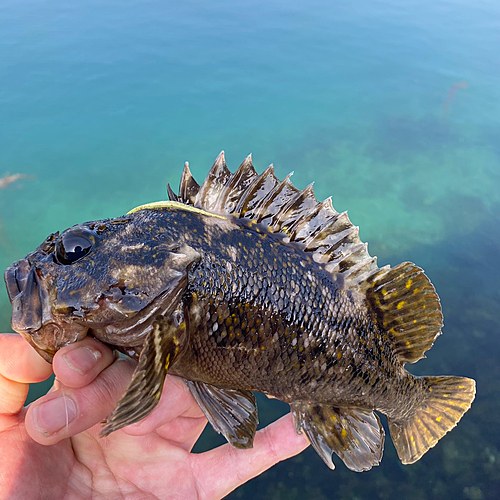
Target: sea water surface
{"points": [[391, 107]]}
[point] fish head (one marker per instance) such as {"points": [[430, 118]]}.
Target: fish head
{"points": [[108, 278]]}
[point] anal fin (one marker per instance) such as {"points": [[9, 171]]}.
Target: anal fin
{"points": [[144, 391], [355, 435], [231, 412]]}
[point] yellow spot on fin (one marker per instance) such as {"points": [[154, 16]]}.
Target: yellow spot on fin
{"points": [[404, 300], [355, 435], [174, 205]]}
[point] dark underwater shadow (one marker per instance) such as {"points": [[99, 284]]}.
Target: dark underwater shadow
{"points": [[397, 136], [490, 138]]}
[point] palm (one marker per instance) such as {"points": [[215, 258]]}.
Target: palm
{"points": [[120, 463], [149, 460]]}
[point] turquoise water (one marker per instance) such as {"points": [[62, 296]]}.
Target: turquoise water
{"points": [[393, 108]]}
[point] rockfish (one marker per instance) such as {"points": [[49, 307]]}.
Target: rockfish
{"points": [[247, 284]]}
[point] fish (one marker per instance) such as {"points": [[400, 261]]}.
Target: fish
{"points": [[247, 284]]}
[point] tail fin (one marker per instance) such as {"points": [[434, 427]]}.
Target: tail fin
{"points": [[448, 399]]}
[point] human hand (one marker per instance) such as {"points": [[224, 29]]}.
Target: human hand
{"points": [[147, 460]]}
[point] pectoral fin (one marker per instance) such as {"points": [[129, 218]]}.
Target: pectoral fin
{"points": [[231, 412], [356, 436], [143, 393]]}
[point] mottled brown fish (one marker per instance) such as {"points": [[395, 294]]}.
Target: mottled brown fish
{"points": [[247, 284]]}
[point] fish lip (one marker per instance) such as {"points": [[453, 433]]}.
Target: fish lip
{"points": [[15, 278], [24, 294]]}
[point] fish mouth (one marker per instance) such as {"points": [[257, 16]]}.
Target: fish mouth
{"points": [[31, 316], [23, 291]]}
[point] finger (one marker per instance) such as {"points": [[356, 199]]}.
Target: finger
{"points": [[78, 364], [20, 362], [272, 444], [12, 396], [68, 411], [176, 401], [20, 365]]}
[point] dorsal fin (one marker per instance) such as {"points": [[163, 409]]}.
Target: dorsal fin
{"points": [[328, 235]]}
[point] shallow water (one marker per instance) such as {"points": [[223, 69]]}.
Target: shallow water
{"points": [[393, 108]]}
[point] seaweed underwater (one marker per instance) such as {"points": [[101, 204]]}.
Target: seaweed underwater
{"points": [[7, 180], [450, 98]]}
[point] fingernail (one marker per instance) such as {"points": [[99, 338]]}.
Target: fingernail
{"points": [[82, 359], [54, 415]]}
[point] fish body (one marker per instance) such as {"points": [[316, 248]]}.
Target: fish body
{"points": [[264, 316], [247, 284]]}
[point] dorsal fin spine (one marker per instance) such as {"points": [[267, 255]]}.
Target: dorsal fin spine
{"points": [[188, 188], [289, 213], [267, 184], [306, 225], [315, 226], [236, 185], [249, 198], [356, 277], [171, 195], [335, 240], [214, 182], [276, 201], [302, 208], [270, 198]]}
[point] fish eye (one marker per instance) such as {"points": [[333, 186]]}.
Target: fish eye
{"points": [[74, 244]]}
